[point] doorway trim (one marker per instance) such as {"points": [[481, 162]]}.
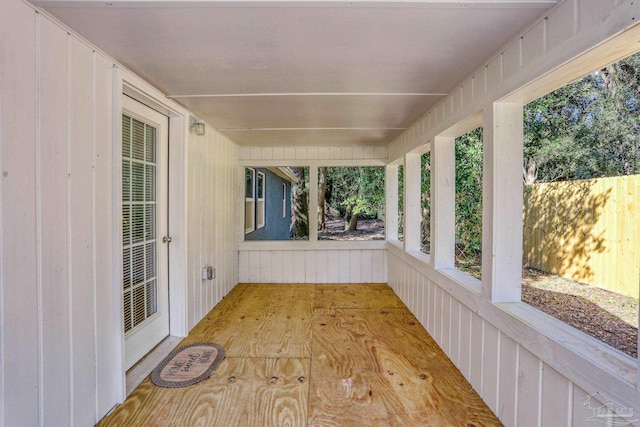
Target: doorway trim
{"points": [[127, 84]]}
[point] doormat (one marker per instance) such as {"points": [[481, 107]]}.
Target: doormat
{"points": [[188, 365]]}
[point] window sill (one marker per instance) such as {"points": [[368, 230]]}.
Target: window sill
{"points": [[463, 279], [585, 346], [305, 245]]}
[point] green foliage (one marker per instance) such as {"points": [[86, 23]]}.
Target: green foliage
{"points": [[400, 199], [425, 202], [469, 194], [586, 129], [359, 190]]}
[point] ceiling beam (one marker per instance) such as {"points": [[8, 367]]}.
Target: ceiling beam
{"points": [[529, 4], [248, 95]]}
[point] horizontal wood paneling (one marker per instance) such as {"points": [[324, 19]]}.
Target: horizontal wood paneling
{"points": [[313, 266]]}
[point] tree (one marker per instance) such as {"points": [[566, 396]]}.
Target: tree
{"points": [[468, 209], [356, 192], [586, 129], [425, 202], [322, 196], [299, 204]]}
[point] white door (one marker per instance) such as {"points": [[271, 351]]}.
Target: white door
{"points": [[145, 282]]}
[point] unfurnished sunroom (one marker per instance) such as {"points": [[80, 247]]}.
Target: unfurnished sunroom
{"points": [[128, 130]]}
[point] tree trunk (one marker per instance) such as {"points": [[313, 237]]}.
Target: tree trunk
{"points": [[353, 222], [529, 174], [299, 206], [347, 217], [322, 195]]}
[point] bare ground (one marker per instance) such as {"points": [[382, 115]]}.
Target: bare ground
{"points": [[610, 317], [607, 316], [368, 229]]}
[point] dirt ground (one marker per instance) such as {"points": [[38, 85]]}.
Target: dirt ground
{"points": [[368, 229], [610, 317]]}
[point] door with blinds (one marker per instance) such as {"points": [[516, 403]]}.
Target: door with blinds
{"points": [[144, 229]]}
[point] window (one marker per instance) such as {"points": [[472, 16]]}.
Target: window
{"points": [[278, 199], [401, 203], [351, 203], [260, 200], [249, 200], [468, 203], [581, 159], [425, 203], [284, 200]]}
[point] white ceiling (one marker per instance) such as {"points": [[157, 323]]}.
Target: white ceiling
{"points": [[302, 72]]}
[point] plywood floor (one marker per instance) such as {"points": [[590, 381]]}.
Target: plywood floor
{"points": [[314, 355]]}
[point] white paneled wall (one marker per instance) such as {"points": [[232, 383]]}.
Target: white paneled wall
{"points": [[60, 330], [518, 386], [212, 220], [530, 369], [289, 154], [314, 266], [58, 342], [564, 33]]}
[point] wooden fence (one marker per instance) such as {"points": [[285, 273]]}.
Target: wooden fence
{"points": [[588, 231]]}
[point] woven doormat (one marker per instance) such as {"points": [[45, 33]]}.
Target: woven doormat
{"points": [[188, 365]]}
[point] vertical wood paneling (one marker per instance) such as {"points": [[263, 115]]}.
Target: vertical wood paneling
{"points": [[299, 267], [561, 24], [584, 407], [333, 262], [244, 270], [80, 155], [490, 366], [311, 268], [356, 266], [529, 389], [508, 381], [344, 267], [278, 267], [465, 341], [56, 210], [477, 352], [265, 267], [446, 324], [557, 401], [107, 319], [55, 341], [379, 265], [18, 278], [322, 266], [367, 267], [454, 352]]}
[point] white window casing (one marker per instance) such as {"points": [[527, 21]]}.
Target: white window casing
{"points": [[260, 196], [249, 200]]}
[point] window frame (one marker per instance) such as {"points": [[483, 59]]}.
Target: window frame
{"points": [[284, 200], [261, 201], [250, 200]]}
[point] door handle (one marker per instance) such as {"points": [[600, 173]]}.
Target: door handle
{"points": [[166, 239]]}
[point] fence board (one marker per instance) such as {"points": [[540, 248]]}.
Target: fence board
{"points": [[586, 231]]}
